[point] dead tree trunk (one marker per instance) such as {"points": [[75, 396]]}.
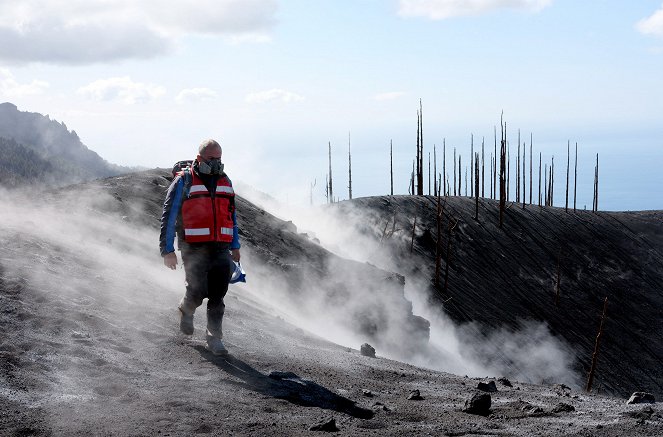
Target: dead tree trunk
{"points": [[596, 185], [524, 178], [450, 230], [539, 179], [414, 228], [495, 163], [349, 169], [530, 168], [471, 164], [438, 246], [597, 344], [568, 166], [436, 187], [518, 171], [483, 169], [444, 167], [502, 175], [476, 187], [331, 190], [575, 180], [454, 171], [391, 165]]}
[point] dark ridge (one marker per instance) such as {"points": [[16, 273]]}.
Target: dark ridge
{"points": [[502, 277]]}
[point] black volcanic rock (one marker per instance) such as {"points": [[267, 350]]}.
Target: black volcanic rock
{"points": [[478, 403], [489, 386], [641, 398], [367, 350]]}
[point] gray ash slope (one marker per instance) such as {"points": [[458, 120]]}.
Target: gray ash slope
{"points": [[90, 343], [502, 277]]}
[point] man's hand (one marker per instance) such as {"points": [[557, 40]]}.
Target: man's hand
{"points": [[235, 255], [170, 260]]}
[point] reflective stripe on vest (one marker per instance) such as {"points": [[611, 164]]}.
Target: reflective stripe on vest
{"points": [[224, 189], [197, 231], [226, 231], [195, 189]]}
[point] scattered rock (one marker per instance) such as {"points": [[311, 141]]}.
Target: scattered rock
{"points": [[640, 397], [77, 334], [415, 396], [367, 393], [562, 389], [505, 382], [563, 408], [325, 425], [644, 414], [489, 387], [478, 404], [532, 410], [381, 406], [289, 226], [367, 350]]}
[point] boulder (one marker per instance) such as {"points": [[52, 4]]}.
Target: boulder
{"points": [[640, 397], [367, 350], [478, 403], [489, 387]]}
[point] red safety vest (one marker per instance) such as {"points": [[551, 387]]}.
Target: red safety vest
{"points": [[206, 218]]}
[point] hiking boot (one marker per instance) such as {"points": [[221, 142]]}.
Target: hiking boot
{"points": [[186, 323], [215, 345]]}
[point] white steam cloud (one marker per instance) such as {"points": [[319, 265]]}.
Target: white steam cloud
{"points": [[442, 9], [529, 354]]}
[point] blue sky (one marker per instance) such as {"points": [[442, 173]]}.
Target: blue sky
{"points": [[143, 82]]}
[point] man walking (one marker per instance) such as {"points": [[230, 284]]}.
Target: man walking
{"points": [[200, 209]]}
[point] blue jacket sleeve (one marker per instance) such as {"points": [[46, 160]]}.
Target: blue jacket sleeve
{"points": [[235, 243], [171, 209]]}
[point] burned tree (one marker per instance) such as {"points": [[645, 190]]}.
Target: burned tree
{"points": [[349, 169], [330, 190]]}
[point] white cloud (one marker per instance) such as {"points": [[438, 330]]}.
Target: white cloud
{"points": [[9, 87], [195, 95], [389, 96], [441, 9], [122, 89], [84, 31], [274, 95], [652, 25]]}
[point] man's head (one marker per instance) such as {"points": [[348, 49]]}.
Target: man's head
{"points": [[209, 157]]}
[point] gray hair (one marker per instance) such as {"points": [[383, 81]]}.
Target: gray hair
{"points": [[206, 144]]}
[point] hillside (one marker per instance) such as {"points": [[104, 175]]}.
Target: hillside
{"points": [[91, 344], [35, 148], [501, 278]]}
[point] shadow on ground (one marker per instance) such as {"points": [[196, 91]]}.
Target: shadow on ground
{"points": [[285, 385]]}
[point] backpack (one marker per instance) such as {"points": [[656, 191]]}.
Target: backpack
{"points": [[181, 165]]}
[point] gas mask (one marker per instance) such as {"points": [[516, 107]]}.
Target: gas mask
{"points": [[212, 167]]}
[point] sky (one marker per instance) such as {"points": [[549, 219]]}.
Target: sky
{"points": [[275, 81]]}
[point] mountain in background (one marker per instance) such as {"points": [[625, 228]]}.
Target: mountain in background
{"points": [[35, 148]]}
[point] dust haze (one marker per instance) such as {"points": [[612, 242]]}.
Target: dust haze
{"points": [[530, 354], [76, 247]]}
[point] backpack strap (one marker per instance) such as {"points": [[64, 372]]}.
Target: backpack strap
{"points": [[186, 180]]}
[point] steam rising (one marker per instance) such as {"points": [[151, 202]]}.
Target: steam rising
{"points": [[102, 275], [530, 354]]}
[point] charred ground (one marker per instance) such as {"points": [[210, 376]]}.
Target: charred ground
{"points": [[90, 342]]}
